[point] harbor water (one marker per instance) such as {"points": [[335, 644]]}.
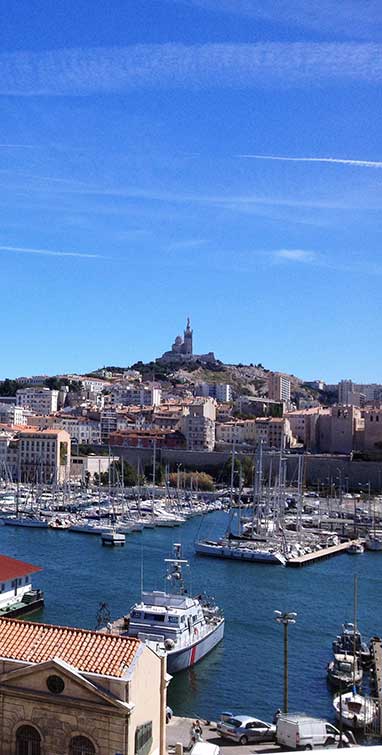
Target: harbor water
{"points": [[245, 672]]}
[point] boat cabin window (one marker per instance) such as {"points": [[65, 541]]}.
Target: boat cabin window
{"points": [[345, 667], [173, 619], [154, 617], [136, 615]]}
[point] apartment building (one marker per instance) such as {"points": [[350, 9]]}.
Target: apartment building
{"points": [[199, 425], [372, 434], [108, 423], [148, 439], [274, 432], [279, 387], [138, 395], [38, 400], [10, 414], [43, 455], [236, 431], [305, 424], [82, 430], [219, 391], [341, 430], [259, 406]]}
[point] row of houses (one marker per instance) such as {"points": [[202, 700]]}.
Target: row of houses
{"points": [[338, 429]]}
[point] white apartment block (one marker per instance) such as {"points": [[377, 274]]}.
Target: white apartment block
{"points": [[279, 387], [6, 463], [82, 431], [140, 395], [220, 391], [10, 414], [108, 423], [38, 400]]}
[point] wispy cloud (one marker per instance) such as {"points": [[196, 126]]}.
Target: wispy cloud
{"points": [[350, 18], [186, 244], [296, 255], [47, 252], [330, 160], [116, 70], [17, 146]]}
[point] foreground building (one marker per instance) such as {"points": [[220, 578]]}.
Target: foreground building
{"points": [[77, 692]]}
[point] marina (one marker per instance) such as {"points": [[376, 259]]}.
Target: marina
{"points": [[79, 574]]}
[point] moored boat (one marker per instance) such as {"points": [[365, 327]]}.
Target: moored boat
{"points": [[185, 628], [350, 641], [373, 542], [113, 538], [240, 551], [355, 711], [355, 548], [344, 671]]}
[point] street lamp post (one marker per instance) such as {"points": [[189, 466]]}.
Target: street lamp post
{"points": [[285, 619]]}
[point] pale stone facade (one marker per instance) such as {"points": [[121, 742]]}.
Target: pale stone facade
{"points": [[108, 710]]}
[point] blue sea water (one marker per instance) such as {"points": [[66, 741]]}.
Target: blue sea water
{"points": [[245, 672]]}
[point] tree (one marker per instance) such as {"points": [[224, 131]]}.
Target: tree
{"points": [[9, 387], [199, 480], [243, 466]]}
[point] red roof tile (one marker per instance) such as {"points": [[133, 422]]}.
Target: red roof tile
{"points": [[11, 568], [92, 652]]}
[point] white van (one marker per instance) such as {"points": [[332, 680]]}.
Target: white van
{"points": [[299, 732], [205, 748]]}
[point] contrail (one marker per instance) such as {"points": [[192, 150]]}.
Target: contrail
{"points": [[331, 160], [47, 252]]}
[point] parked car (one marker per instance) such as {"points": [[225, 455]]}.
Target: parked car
{"points": [[245, 729], [298, 732]]}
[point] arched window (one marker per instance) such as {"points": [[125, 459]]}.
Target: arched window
{"points": [[81, 746], [28, 741]]}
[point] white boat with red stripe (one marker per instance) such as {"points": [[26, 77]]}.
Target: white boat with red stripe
{"points": [[185, 628]]}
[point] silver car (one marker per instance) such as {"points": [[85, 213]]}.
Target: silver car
{"points": [[245, 729]]}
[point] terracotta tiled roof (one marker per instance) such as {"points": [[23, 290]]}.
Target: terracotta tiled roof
{"points": [[11, 568], [91, 652]]}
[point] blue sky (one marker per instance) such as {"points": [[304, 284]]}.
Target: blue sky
{"points": [[139, 185]]}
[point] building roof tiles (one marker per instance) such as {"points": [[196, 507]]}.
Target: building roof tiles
{"points": [[91, 652]]}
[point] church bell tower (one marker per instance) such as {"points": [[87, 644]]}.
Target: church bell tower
{"points": [[187, 343]]}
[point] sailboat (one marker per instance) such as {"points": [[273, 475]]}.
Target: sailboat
{"points": [[352, 709], [373, 541], [246, 547]]}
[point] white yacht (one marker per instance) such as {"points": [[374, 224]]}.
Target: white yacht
{"points": [[186, 628], [226, 548]]}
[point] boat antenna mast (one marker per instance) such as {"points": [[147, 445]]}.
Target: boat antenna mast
{"points": [[175, 570]]}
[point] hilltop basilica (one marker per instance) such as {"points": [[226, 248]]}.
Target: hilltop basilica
{"points": [[182, 349]]}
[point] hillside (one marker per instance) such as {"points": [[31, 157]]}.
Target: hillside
{"points": [[250, 380]]}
